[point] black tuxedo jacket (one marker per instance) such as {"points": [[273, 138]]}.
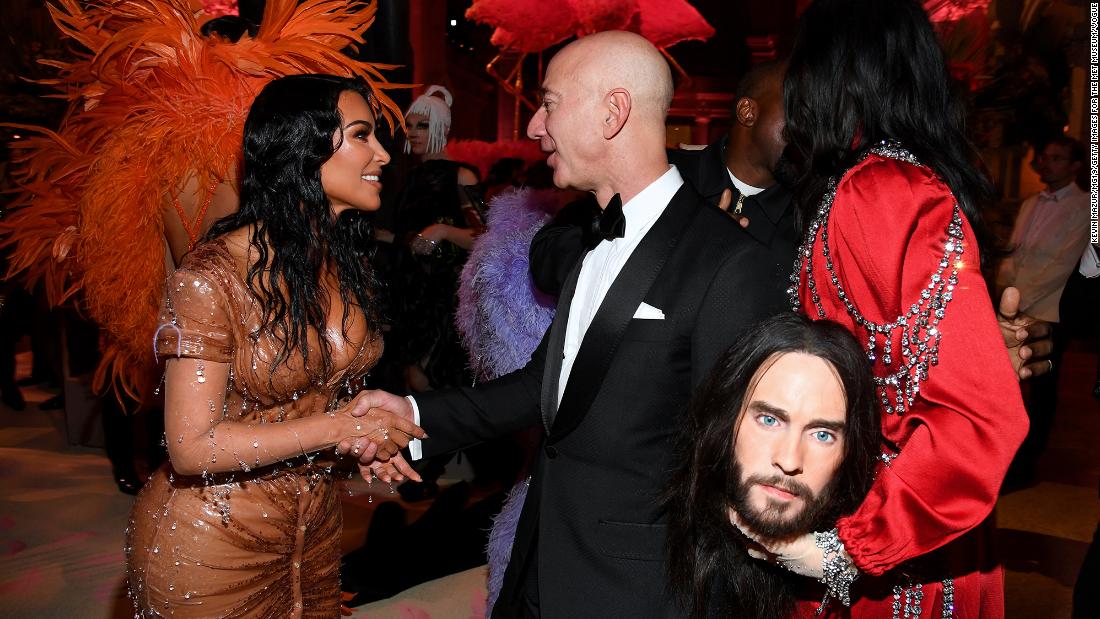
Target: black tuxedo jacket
{"points": [[592, 527], [561, 243]]}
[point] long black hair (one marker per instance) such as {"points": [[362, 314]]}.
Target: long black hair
{"points": [[287, 137], [706, 555], [863, 71]]}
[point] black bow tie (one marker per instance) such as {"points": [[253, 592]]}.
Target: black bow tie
{"points": [[612, 222]]}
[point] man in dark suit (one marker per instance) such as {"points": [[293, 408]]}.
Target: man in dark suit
{"points": [[640, 320], [743, 172]]}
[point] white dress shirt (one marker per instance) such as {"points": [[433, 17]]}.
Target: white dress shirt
{"points": [[602, 265], [598, 271], [1090, 262], [1050, 235]]}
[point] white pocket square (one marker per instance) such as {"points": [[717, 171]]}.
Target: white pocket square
{"points": [[648, 312]]}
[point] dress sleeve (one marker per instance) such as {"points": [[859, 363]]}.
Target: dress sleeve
{"points": [[195, 319], [888, 231]]}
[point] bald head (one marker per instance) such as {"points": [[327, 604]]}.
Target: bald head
{"points": [[602, 118], [614, 59]]}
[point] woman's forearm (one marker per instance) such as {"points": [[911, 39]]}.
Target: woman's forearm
{"points": [[201, 440]]}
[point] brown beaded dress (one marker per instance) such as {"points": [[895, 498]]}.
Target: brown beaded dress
{"points": [[261, 541]]}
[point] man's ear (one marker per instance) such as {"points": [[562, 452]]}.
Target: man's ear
{"points": [[746, 111], [618, 110]]}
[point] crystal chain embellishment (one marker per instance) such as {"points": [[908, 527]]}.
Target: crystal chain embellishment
{"points": [[838, 573], [917, 329], [913, 595], [948, 611]]}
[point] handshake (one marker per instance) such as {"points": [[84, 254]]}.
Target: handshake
{"points": [[381, 425]]}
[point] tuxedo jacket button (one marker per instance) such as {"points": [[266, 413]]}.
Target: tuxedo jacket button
{"points": [[551, 452]]}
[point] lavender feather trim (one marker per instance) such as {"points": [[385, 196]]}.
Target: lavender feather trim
{"points": [[501, 537], [501, 316]]}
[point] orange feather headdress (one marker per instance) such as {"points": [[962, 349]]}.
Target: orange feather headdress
{"points": [[151, 102]]}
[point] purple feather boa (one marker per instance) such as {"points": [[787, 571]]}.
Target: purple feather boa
{"points": [[501, 318]]}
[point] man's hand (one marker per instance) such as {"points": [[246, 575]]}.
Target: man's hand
{"points": [[377, 398], [1027, 338], [798, 554], [399, 430], [724, 204]]}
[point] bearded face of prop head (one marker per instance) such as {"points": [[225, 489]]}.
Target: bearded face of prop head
{"points": [[788, 445]]}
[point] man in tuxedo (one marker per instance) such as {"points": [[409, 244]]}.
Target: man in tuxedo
{"points": [[640, 320], [744, 172]]}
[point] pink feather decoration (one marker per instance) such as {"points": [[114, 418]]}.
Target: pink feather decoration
{"points": [[954, 10], [533, 25], [485, 154], [598, 15], [668, 22], [523, 25]]}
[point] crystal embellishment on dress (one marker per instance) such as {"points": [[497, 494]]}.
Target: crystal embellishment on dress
{"points": [[241, 494], [917, 329], [908, 597], [838, 573]]}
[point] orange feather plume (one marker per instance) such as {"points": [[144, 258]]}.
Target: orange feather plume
{"points": [[151, 103]]}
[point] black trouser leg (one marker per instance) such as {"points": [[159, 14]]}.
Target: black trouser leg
{"points": [[530, 591]]}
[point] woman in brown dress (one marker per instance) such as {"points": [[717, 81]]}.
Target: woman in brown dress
{"points": [[269, 326]]}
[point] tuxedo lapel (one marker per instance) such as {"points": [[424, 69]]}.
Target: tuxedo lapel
{"points": [[603, 336], [556, 347]]}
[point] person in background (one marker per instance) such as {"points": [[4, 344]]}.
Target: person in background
{"points": [[438, 214], [1047, 243]]}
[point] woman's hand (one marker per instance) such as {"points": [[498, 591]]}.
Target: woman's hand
{"points": [[462, 238], [386, 432], [395, 469], [380, 456], [375, 434], [427, 240], [437, 232], [820, 556], [798, 554]]}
